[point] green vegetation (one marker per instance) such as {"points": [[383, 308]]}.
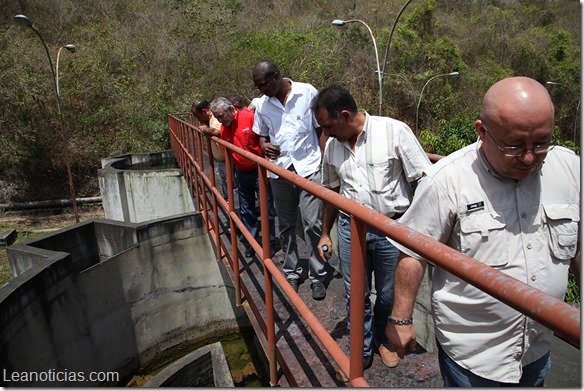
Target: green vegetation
{"points": [[138, 60]]}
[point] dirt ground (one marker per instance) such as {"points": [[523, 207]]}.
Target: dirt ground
{"points": [[35, 220]]}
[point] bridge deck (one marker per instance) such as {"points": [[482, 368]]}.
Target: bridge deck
{"points": [[303, 354]]}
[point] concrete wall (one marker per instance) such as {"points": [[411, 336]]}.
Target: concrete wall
{"points": [[141, 195], [111, 296]]}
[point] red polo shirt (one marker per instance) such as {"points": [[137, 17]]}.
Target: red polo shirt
{"points": [[240, 134]]}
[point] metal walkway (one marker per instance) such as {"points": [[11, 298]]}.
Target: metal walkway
{"points": [[304, 339], [304, 356]]}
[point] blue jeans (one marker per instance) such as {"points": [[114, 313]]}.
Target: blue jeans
{"points": [[247, 189], [456, 376], [221, 176], [380, 260]]}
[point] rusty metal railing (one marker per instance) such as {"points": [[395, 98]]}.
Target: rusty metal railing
{"points": [[187, 144]]}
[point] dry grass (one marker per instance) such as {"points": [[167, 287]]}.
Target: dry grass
{"points": [[37, 223]]}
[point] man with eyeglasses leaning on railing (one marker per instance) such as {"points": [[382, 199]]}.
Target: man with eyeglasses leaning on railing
{"points": [[291, 138], [236, 128], [511, 201]]}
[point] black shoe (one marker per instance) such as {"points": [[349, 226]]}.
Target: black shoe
{"points": [[318, 290], [249, 252], [275, 246], [294, 283]]}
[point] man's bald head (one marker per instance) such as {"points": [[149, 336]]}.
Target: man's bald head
{"points": [[264, 67], [518, 99]]}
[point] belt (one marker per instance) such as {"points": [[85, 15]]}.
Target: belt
{"points": [[253, 170], [394, 217]]}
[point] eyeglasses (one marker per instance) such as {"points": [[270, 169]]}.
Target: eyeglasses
{"points": [[265, 83], [521, 151]]}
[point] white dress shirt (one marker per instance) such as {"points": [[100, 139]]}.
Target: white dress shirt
{"points": [[292, 128]]}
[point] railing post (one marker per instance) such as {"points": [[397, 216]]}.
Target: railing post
{"points": [[201, 182], [216, 235], [269, 291], [357, 299], [233, 229]]}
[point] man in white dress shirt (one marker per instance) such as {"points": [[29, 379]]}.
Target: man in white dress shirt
{"points": [[290, 136]]}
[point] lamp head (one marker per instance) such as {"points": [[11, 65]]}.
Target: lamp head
{"points": [[453, 74], [71, 48], [23, 20], [338, 22]]}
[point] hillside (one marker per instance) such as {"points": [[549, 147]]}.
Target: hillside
{"points": [[137, 60]]}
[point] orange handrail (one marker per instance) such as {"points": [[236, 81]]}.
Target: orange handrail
{"points": [[562, 318]]}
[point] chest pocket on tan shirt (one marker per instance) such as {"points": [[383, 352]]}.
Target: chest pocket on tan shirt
{"points": [[562, 229], [482, 237]]}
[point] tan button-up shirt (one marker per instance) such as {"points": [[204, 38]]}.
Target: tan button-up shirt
{"points": [[527, 229], [376, 173]]}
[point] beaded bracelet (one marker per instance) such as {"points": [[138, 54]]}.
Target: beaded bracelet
{"points": [[401, 322]]}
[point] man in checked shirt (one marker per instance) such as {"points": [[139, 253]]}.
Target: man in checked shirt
{"points": [[371, 160]]}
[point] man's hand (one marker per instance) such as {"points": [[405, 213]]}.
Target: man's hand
{"points": [[270, 150], [325, 240], [401, 337]]}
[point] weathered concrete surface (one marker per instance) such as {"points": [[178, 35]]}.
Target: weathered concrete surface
{"points": [[7, 237], [142, 195], [114, 298], [205, 367]]}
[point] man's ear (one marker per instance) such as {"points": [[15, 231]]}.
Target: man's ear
{"points": [[346, 115], [479, 128]]}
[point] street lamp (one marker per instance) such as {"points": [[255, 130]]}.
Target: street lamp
{"points": [[422, 92], [552, 83], [339, 22], [391, 35], [25, 21], [71, 49]]}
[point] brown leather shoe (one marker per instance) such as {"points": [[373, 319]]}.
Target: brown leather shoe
{"points": [[389, 358]]}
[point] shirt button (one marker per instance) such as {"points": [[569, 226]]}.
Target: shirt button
{"points": [[518, 356], [533, 278], [529, 246], [523, 214]]}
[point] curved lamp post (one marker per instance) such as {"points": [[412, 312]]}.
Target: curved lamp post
{"points": [[71, 48], [409, 83], [391, 35], [422, 92], [339, 22], [553, 83], [24, 21]]}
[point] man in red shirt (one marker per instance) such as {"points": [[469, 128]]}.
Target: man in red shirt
{"points": [[236, 128]]}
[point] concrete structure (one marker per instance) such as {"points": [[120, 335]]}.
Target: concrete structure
{"points": [[106, 296], [141, 187], [205, 367]]}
